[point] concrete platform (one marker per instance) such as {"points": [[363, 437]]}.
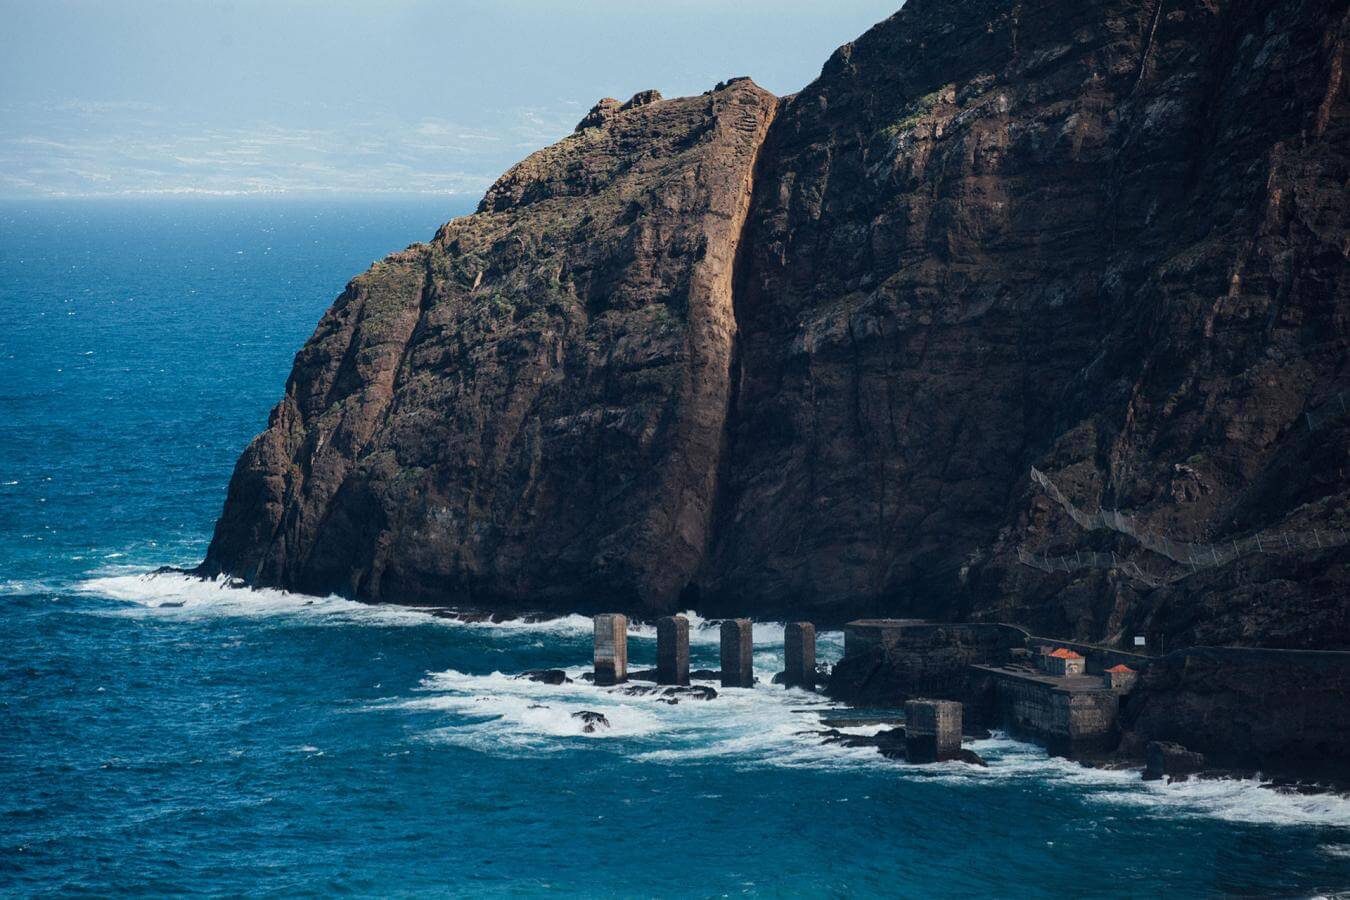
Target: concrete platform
{"points": [[1070, 683], [1071, 715]]}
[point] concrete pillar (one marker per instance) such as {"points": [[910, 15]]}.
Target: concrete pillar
{"points": [[611, 648], [932, 730], [672, 650], [738, 646], [799, 655]]}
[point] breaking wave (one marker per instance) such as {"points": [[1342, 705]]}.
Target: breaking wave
{"points": [[497, 713], [182, 596], [501, 713], [768, 726], [176, 595]]}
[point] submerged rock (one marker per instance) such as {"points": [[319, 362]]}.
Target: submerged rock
{"points": [[673, 693], [821, 677], [591, 721], [546, 676], [890, 743], [639, 690]]}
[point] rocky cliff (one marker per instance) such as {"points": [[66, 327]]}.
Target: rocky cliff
{"points": [[800, 356], [1282, 713], [529, 411]]}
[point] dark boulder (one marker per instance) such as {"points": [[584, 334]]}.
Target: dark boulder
{"points": [[638, 690], [546, 676], [889, 743], [1164, 758], [591, 721], [673, 693]]}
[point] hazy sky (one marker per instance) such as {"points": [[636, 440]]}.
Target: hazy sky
{"points": [[166, 97]]}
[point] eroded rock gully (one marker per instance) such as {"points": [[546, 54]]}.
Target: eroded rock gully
{"points": [[797, 357]]}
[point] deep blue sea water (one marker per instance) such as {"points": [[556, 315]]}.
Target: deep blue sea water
{"points": [[159, 735]]}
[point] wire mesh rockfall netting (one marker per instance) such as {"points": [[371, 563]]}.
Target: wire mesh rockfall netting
{"points": [[1190, 554]]}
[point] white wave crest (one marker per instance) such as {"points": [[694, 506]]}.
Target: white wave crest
{"points": [[177, 595], [760, 726], [1240, 800], [499, 713], [1124, 792], [769, 726]]}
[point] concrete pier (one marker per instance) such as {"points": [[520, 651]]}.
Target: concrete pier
{"points": [[672, 650], [799, 654], [611, 648], [738, 646], [1071, 715], [932, 730]]}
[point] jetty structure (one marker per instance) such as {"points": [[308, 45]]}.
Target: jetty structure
{"points": [[611, 648], [799, 654], [738, 651], [932, 730], [672, 650], [1189, 710], [1054, 692]]}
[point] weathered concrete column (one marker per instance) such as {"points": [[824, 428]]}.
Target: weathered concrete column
{"points": [[738, 651], [932, 730], [672, 650], [799, 655], [611, 648]]}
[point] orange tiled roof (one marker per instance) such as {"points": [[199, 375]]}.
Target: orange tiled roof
{"points": [[1064, 653], [1120, 668]]}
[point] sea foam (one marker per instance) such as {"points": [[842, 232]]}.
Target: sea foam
{"points": [[767, 725], [178, 595]]}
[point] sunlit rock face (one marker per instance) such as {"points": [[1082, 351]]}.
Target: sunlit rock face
{"points": [[797, 357], [528, 411]]}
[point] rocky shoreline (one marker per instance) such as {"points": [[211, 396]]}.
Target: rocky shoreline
{"points": [[1237, 713], [1159, 760], [1213, 712]]}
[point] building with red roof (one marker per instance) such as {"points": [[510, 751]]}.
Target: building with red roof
{"points": [[1063, 662], [1121, 677]]}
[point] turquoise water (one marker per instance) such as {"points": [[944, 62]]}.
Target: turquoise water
{"points": [[159, 735]]}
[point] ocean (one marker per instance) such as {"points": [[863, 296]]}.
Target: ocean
{"points": [[161, 735]]}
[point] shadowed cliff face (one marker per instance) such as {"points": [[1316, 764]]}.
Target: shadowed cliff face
{"points": [[798, 358], [1106, 239]]}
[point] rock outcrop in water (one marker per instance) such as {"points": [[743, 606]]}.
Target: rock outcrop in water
{"points": [[763, 356]]}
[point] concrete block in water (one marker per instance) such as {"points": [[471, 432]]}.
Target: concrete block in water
{"points": [[932, 730], [799, 654], [672, 650], [738, 645], [611, 648]]}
